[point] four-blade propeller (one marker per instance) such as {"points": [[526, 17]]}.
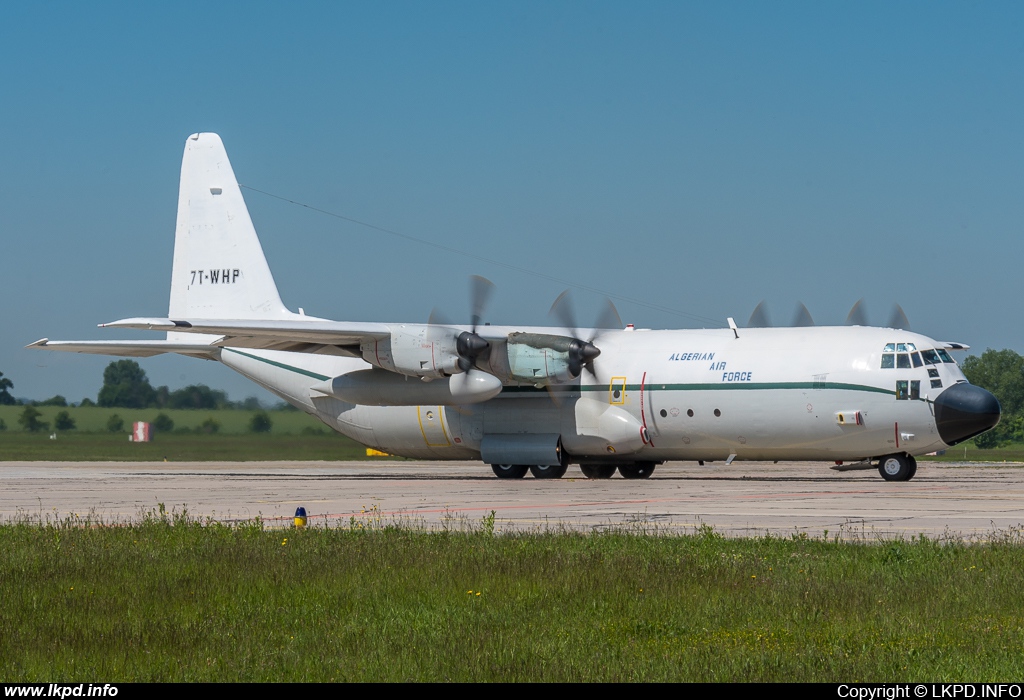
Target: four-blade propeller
{"points": [[469, 345], [760, 318], [583, 352]]}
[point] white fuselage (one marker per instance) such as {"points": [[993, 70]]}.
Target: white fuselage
{"points": [[769, 394]]}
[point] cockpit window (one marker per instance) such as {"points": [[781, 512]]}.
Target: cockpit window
{"points": [[906, 356]]}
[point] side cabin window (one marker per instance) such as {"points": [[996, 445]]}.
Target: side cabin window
{"points": [[908, 390]]}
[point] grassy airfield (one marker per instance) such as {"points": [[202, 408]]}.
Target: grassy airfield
{"points": [[93, 419], [293, 436], [174, 599]]}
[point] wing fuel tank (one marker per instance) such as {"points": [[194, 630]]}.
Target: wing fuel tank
{"points": [[374, 387]]}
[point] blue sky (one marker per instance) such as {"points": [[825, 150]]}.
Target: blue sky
{"points": [[700, 156]]}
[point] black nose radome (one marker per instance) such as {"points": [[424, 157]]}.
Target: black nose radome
{"points": [[963, 411]]}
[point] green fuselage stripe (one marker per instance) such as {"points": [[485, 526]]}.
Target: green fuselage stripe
{"points": [[290, 368], [726, 386]]}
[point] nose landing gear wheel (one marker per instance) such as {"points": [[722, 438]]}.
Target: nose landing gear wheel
{"points": [[899, 467], [543, 471], [509, 471]]}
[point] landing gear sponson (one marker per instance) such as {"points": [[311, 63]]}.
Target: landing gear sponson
{"points": [[637, 470], [894, 467]]}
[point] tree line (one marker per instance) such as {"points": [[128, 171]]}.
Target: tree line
{"points": [[1002, 373], [125, 385]]}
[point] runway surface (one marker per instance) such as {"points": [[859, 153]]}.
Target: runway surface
{"points": [[972, 501]]}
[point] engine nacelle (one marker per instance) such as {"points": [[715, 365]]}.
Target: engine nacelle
{"points": [[536, 358], [410, 350]]}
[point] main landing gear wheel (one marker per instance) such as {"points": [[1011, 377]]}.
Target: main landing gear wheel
{"points": [[640, 470], [510, 471], [543, 471], [597, 471], [899, 467]]}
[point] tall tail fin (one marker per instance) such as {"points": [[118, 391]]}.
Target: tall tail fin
{"points": [[219, 269]]}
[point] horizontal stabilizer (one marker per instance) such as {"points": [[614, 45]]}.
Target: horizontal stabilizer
{"points": [[126, 348], [273, 332]]}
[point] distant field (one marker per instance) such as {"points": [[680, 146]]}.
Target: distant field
{"points": [[94, 419], [970, 453], [294, 436], [176, 447]]}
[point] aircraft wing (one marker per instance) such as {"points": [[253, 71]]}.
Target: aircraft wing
{"points": [[125, 348], [312, 336]]}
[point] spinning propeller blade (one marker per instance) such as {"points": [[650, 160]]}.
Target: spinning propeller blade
{"points": [[468, 344], [582, 352], [898, 319], [759, 318], [857, 316], [802, 317]]}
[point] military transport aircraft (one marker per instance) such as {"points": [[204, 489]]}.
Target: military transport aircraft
{"points": [[539, 399]]}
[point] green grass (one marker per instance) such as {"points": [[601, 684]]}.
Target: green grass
{"points": [[173, 599]]}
